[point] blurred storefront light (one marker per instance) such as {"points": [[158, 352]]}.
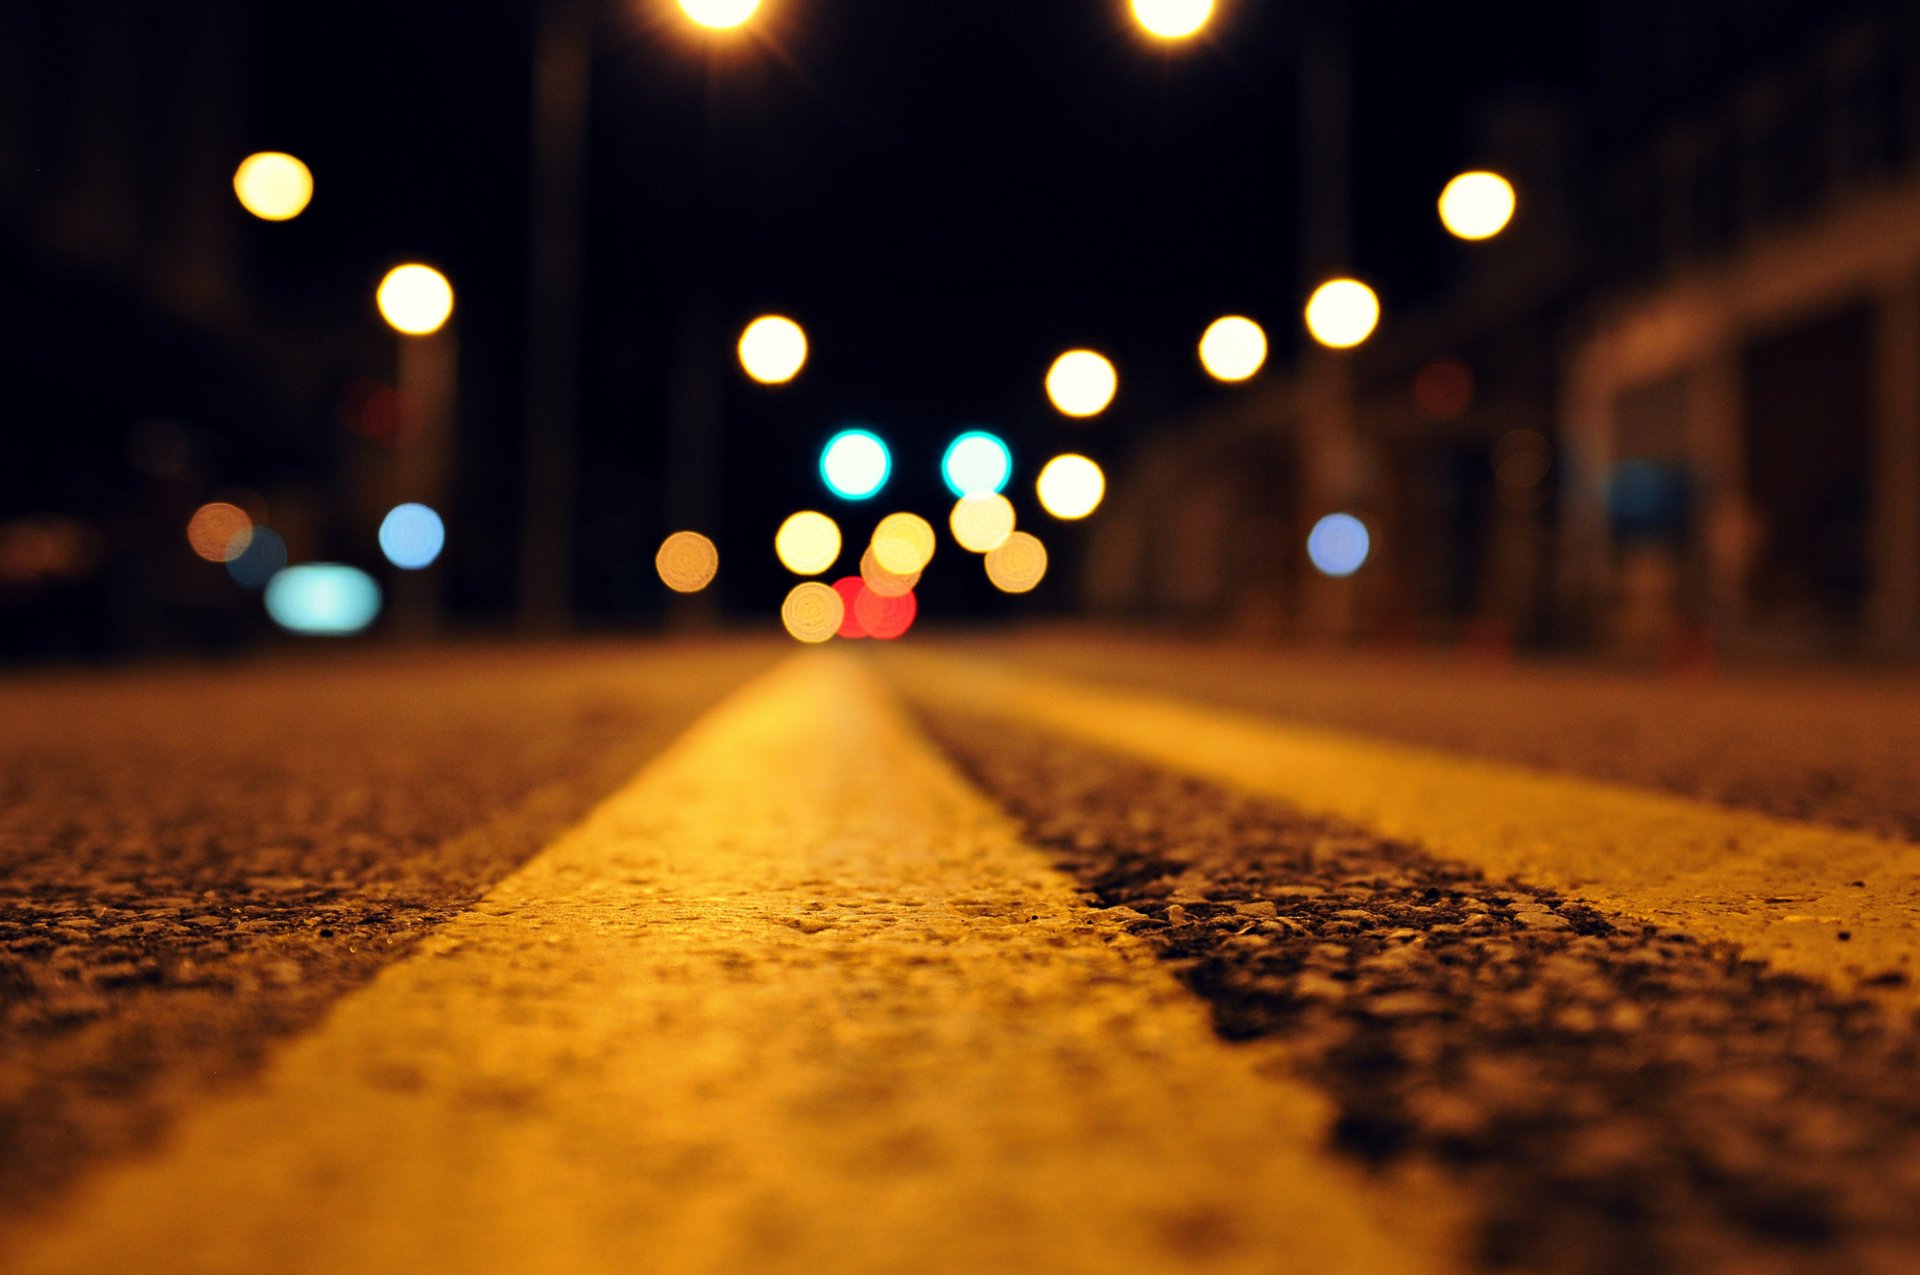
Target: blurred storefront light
{"points": [[719, 15], [412, 536], [1338, 545], [977, 463], [687, 562], [807, 543]]}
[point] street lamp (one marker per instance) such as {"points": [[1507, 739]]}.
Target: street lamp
{"points": [[1172, 19], [1342, 313], [273, 186], [1233, 348], [773, 349], [1081, 383], [415, 300], [719, 15], [1477, 205]]}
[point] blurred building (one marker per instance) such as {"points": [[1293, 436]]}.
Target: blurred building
{"points": [[1742, 395], [1676, 407]]}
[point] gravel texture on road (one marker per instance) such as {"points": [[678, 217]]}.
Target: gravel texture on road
{"points": [[1832, 747], [1609, 1095], [194, 864]]}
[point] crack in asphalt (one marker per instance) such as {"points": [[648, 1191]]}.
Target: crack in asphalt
{"points": [[1607, 1094]]}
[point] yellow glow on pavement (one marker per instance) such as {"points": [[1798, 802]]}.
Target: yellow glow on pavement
{"points": [[813, 612], [773, 349], [1233, 348], [808, 543], [1081, 383], [687, 562], [981, 523], [415, 300], [1342, 313], [904, 544], [797, 970], [1071, 486], [1172, 19], [1477, 205], [273, 186], [1018, 565], [719, 15]]}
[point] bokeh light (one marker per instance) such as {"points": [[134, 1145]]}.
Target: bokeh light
{"points": [[1082, 383], [1443, 389], [808, 543], [888, 584], [1071, 486], [1338, 545], [904, 544], [883, 617], [412, 536], [1172, 19], [982, 523], [850, 588], [415, 300], [976, 463], [719, 15], [1477, 205], [1233, 348], [855, 464], [773, 349], [1342, 313], [1018, 565], [813, 611], [219, 531], [273, 186], [323, 599], [264, 557], [687, 562]]}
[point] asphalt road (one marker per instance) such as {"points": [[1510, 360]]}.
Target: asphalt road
{"points": [[1049, 953]]}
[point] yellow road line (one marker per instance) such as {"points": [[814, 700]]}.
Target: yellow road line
{"points": [[1783, 891], [796, 999]]}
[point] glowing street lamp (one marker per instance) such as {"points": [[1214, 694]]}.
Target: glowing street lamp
{"points": [[719, 15], [1477, 205], [1172, 19], [415, 300], [1342, 313], [773, 349], [1233, 348], [1081, 383], [273, 186]]}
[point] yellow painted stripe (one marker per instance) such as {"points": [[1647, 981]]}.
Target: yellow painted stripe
{"points": [[797, 999], [1783, 891]]}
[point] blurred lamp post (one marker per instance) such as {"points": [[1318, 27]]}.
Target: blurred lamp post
{"points": [[417, 303], [1342, 313]]}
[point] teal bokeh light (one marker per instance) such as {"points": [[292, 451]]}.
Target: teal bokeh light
{"points": [[977, 464], [855, 464]]}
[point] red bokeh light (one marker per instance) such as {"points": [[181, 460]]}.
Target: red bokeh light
{"points": [[851, 589], [885, 618]]}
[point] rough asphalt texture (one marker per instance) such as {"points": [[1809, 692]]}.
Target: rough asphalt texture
{"points": [[1831, 747], [195, 864], [1612, 1097]]}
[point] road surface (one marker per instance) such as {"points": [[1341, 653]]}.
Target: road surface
{"points": [[1051, 954]]}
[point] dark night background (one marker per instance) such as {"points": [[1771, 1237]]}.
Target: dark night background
{"points": [[946, 195]]}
